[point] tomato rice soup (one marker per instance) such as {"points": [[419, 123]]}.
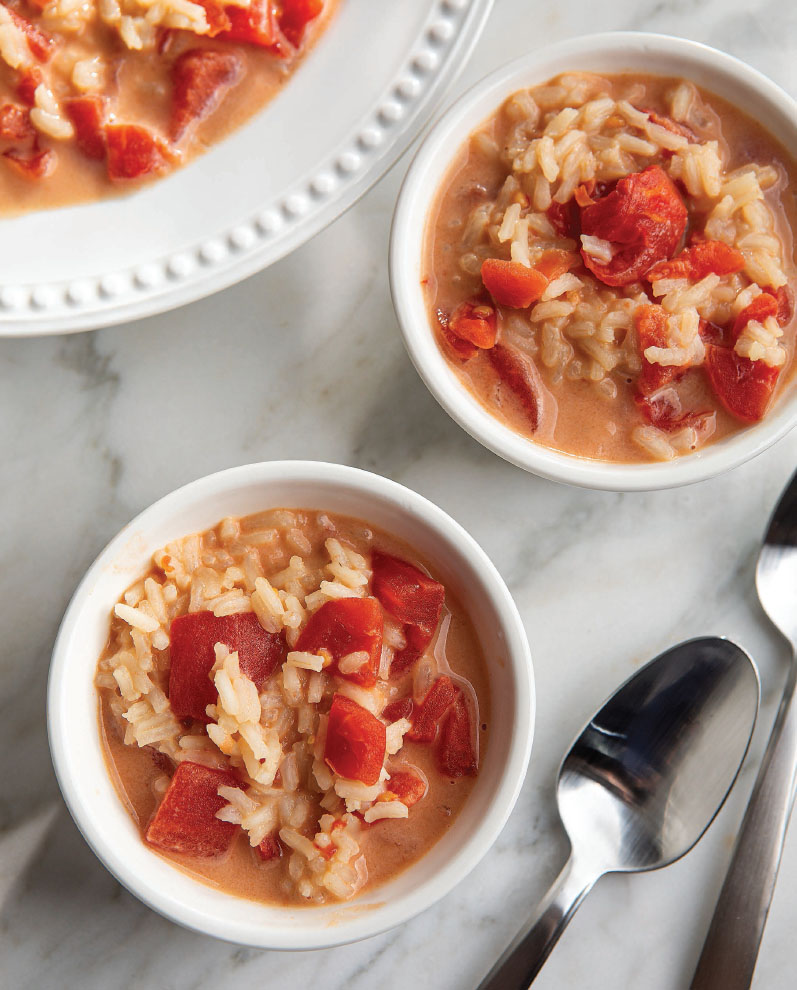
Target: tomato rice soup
{"points": [[292, 707], [608, 266], [96, 95]]}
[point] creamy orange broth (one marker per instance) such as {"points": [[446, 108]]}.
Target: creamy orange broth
{"points": [[138, 87], [390, 846], [575, 417]]}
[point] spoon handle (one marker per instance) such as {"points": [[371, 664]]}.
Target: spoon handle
{"points": [[731, 947], [523, 959]]}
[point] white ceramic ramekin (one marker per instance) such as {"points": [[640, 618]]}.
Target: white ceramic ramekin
{"points": [[72, 703], [741, 85]]}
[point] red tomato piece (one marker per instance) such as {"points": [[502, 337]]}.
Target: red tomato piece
{"points": [[521, 377], [270, 847], [216, 16], [583, 193], [651, 327], [40, 44], [348, 625], [295, 16], [785, 300], [664, 411], [554, 263], [192, 638], [700, 259], [743, 386], [256, 24], [413, 598], [563, 218], [134, 151], [200, 77], [355, 743], [408, 787], [400, 708], [644, 218], [417, 641], [15, 123], [34, 164], [29, 79], [87, 114], [671, 125], [456, 756], [512, 284], [711, 333], [463, 349], [406, 592], [440, 697], [185, 821], [760, 309], [474, 322]]}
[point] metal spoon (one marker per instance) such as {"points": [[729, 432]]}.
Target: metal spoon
{"points": [[643, 782], [731, 948]]}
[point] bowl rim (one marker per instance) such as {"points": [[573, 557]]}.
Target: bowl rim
{"points": [[273, 226], [417, 193], [438, 883]]}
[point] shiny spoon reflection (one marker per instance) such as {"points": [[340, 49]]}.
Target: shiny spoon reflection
{"points": [[643, 782]]}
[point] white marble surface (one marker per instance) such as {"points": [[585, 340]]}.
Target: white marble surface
{"points": [[305, 361]]}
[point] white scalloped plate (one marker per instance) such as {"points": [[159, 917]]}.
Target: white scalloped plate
{"points": [[347, 114]]}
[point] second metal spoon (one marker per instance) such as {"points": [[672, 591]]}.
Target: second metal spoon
{"points": [[643, 782]]}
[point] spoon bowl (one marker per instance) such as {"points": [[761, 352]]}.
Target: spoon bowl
{"points": [[643, 781]]}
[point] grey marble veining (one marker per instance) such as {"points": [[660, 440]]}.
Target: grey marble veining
{"points": [[304, 360]]}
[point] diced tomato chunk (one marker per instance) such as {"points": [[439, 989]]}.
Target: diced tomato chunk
{"points": [[700, 259], [463, 349], [255, 24], [15, 123], [87, 113], [712, 333], [563, 218], [474, 322], [347, 625], [192, 638], [417, 640], [512, 284], [355, 743], [651, 327], [270, 847], [743, 386], [406, 592], [554, 263], [785, 300], [400, 708], [40, 44], [644, 219], [760, 309], [521, 377], [583, 193], [664, 411], [408, 787], [216, 16], [456, 756], [413, 598], [185, 821], [200, 78], [295, 16], [134, 151], [29, 79], [671, 125], [425, 718], [34, 164]]}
